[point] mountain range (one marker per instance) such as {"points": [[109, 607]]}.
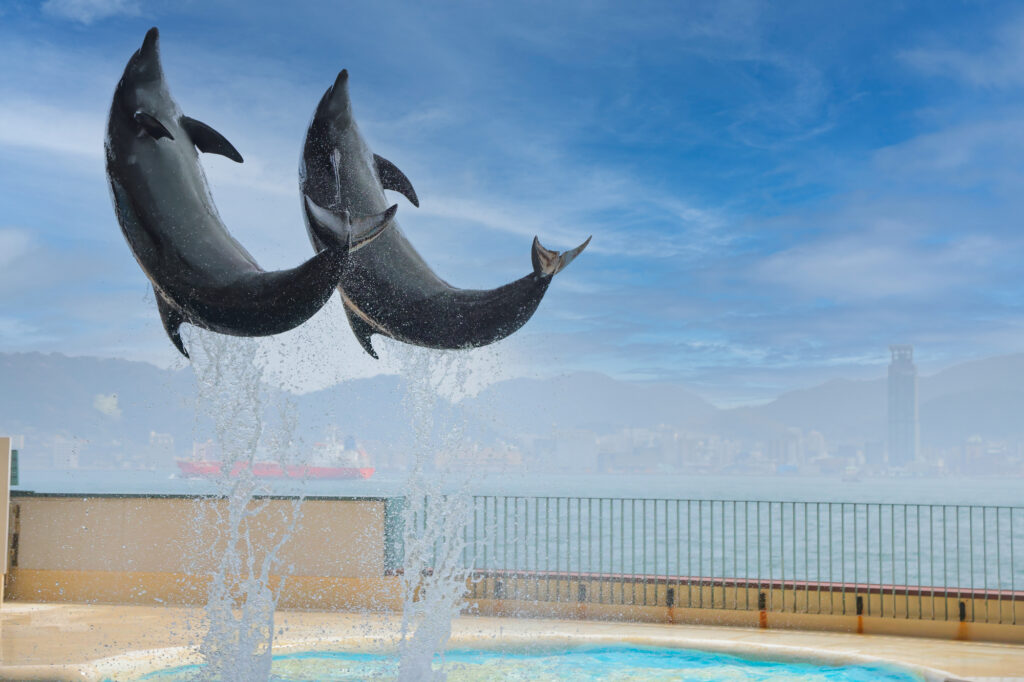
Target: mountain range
{"points": [[111, 404]]}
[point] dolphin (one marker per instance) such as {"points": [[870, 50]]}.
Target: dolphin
{"points": [[199, 272], [387, 288]]}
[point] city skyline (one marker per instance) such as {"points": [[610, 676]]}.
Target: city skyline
{"points": [[106, 414]]}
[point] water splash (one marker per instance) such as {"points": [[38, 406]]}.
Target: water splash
{"points": [[437, 561], [242, 596]]}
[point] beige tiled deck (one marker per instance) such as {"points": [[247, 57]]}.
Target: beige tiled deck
{"points": [[82, 642]]}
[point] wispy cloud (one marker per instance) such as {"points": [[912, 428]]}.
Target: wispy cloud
{"points": [[879, 263], [997, 63], [50, 126], [89, 11], [14, 244]]}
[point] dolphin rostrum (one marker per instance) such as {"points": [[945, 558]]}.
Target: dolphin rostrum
{"points": [[200, 274], [387, 288]]}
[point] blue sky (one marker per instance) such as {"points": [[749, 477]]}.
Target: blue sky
{"points": [[777, 191]]}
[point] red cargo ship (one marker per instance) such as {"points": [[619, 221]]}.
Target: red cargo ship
{"points": [[332, 460]]}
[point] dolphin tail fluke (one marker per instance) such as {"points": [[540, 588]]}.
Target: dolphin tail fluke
{"points": [[363, 332], [340, 230], [172, 321], [548, 263]]}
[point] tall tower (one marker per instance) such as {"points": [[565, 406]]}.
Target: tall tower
{"points": [[904, 433]]}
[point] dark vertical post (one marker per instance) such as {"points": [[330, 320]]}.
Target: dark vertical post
{"points": [[394, 530]]}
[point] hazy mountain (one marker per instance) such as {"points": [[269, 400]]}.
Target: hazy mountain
{"points": [[113, 405], [587, 400], [839, 408], [104, 401], [983, 397]]}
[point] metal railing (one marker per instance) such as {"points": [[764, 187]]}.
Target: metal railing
{"points": [[941, 562]]}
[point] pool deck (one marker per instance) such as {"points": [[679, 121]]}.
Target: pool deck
{"points": [[92, 642]]}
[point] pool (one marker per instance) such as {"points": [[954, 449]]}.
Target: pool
{"points": [[579, 663]]}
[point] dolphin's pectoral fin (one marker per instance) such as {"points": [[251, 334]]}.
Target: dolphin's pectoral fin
{"points": [[547, 262], [340, 229], [208, 140], [172, 320], [363, 331], [152, 125], [394, 179]]}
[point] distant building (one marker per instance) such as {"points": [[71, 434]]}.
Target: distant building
{"points": [[874, 455], [904, 431]]}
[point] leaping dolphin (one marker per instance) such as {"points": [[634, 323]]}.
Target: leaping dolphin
{"points": [[387, 288], [200, 273]]}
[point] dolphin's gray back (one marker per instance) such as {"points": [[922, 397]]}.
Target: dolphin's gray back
{"points": [[174, 225]]}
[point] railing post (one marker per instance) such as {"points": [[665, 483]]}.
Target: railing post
{"points": [[394, 535]]}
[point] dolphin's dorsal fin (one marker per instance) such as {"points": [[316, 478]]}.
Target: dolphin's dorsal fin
{"points": [[394, 179], [172, 320], [208, 140], [152, 125], [547, 262], [363, 331]]}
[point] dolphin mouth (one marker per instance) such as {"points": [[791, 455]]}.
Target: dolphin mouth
{"points": [[151, 43], [145, 63], [336, 106]]}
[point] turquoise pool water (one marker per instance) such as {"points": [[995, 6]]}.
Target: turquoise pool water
{"points": [[590, 663]]}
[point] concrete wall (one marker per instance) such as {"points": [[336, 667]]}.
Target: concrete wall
{"points": [[806, 608], [165, 549]]}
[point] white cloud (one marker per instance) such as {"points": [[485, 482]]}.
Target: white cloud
{"points": [[33, 124], [17, 333], [14, 243], [1001, 65], [985, 151], [107, 404], [876, 264], [88, 11]]}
